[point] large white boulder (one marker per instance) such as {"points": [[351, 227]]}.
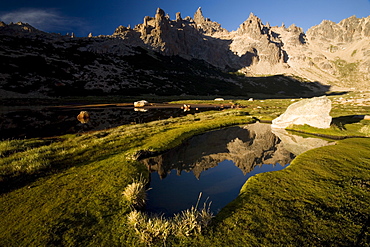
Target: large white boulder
{"points": [[314, 112]]}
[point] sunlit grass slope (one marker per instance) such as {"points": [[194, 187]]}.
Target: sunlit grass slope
{"points": [[68, 190], [321, 199]]}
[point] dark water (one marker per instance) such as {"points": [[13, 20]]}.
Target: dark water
{"points": [[16, 123], [217, 164], [220, 185]]}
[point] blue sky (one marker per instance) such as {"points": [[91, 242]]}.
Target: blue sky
{"points": [[102, 17]]}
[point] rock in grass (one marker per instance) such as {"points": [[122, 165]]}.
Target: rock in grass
{"points": [[314, 112]]}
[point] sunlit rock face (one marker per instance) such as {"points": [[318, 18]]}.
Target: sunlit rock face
{"points": [[314, 112], [170, 57]]}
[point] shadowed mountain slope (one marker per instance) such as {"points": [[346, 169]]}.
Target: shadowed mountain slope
{"points": [[188, 56]]}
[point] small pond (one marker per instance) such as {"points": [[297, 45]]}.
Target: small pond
{"points": [[217, 164], [38, 121]]}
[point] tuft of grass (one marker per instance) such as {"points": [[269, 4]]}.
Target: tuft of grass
{"points": [[135, 193], [365, 130], [156, 229], [192, 221], [150, 230]]}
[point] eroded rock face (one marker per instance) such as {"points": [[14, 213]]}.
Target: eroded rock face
{"points": [[348, 30], [329, 53], [200, 38], [313, 112]]}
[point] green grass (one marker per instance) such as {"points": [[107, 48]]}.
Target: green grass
{"points": [[75, 197], [321, 199], [340, 128], [68, 190], [347, 71]]}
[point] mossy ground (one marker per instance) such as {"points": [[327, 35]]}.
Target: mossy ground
{"points": [[67, 191], [321, 199]]}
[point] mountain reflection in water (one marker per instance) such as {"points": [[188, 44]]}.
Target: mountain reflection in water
{"points": [[218, 163]]}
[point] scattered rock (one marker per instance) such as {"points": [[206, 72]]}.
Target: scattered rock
{"points": [[313, 112], [83, 117], [141, 103], [186, 107]]}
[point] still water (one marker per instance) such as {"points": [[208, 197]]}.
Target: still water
{"points": [[32, 121], [217, 164]]}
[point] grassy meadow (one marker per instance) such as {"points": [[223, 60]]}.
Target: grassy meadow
{"points": [[72, 190]]}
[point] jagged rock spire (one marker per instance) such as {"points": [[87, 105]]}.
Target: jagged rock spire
{"points": [[252, 26], [161, 20], [159, 13], [178, 16], [198, 16]]}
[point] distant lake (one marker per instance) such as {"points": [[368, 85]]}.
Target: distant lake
{"points": [[217, 164], [39, 121]]}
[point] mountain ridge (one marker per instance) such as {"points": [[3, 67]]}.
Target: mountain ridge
{"points": [[329, 55]]}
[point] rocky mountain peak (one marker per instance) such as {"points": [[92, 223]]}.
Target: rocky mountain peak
{"points": [[19, 28], [205, 25], [329, 53], [178, 17], [198, 16], [252, 26], [348, 30], [160, 13]]}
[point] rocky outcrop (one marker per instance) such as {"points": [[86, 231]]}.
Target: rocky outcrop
{"points": [[314, 112], [19, 28], [347, 31], [329, 55], [345, 46], [201, 38]]}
